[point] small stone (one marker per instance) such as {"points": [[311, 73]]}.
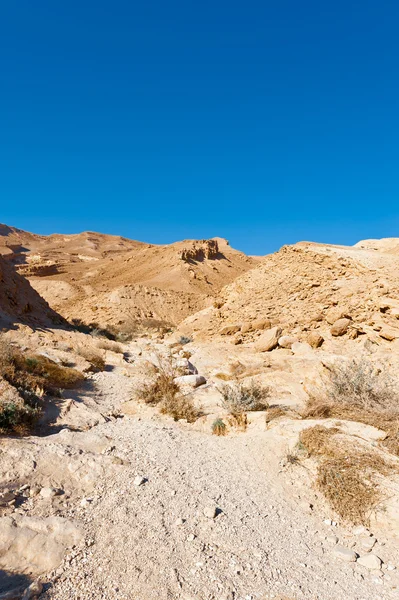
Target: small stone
{"points": [[179, 522], [191, 537], [315, 340], [327, 522], [344, 554], [370, 561], [360, 530], [340, 327], [48, 492], [34, 491], [211, 511], [139, 480], [86, 502], [368, 543]]}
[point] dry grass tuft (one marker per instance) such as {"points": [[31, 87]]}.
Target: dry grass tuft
{"points": [[274, 412], [179, 407], [317, 440], [349, 484], [110, 345], [219, 427], [239, 397], [358, 390], [93, 355], [347, 475], [161, 390]]}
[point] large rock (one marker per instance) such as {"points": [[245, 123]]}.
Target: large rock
{"points": [[286, 341], [340, 327], [261, 324], [315, 340], [230, 329], [192, 381], [370, 561], [268, 340]]}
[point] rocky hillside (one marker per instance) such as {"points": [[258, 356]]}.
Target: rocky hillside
{"points": [[19, 302], [108, 279], [308, 288]]}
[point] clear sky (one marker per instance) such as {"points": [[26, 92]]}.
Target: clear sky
{"points": [[262, 122]]}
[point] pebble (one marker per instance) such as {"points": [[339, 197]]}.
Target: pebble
{"points": [[139, 480], [370, 561], [332, 539], [179, 522], [48, 492], [368, 543], [211, 511]]}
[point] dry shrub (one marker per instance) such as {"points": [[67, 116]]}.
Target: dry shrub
{"points": [[110, 345], [160, 386], [317, 440], [239, 420], [94, 356], [274, 412], [219, 427], [360, 391], [16, 416], [161, 390], [346, 475], [349, 484], [239, 397], [179, 407], [36, 374]]}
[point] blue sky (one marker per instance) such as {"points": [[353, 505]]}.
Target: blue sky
{"points": [[262, 122]]}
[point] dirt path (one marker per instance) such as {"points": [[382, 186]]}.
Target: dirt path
{"points": [[154, 541]]}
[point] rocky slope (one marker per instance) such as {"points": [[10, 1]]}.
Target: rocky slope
{"points": [[108, 279], [305, 289], [19, 302]]}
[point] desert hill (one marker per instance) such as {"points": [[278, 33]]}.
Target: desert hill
{"points": [[20, 302], [307, 287], [108, 279]]}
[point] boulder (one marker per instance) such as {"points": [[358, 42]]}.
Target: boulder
{"points": [[230, 329], [268, 340], [286, 341], [315, 340], [389, 334], [246, 327], [192, 381], [261, 324], [335, 313], [340, 327], [370, 561]]}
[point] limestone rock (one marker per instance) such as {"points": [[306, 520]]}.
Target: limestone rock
{"points": [[261, 324], [286, 341], [230, 329], [344, 554], [370, 561], [268, 340], [340, 327], [192, 381], [315, 340]]}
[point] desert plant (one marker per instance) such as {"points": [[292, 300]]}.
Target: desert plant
{"points": [[179, 407], [219, 427], [355, 387], [16, 416], [110, 345], [239, 397], [184, 339], [347, 474], [358, 390], [93, 355]]}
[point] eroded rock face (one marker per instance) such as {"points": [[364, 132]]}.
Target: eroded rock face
{"points": [[198, 251]]}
